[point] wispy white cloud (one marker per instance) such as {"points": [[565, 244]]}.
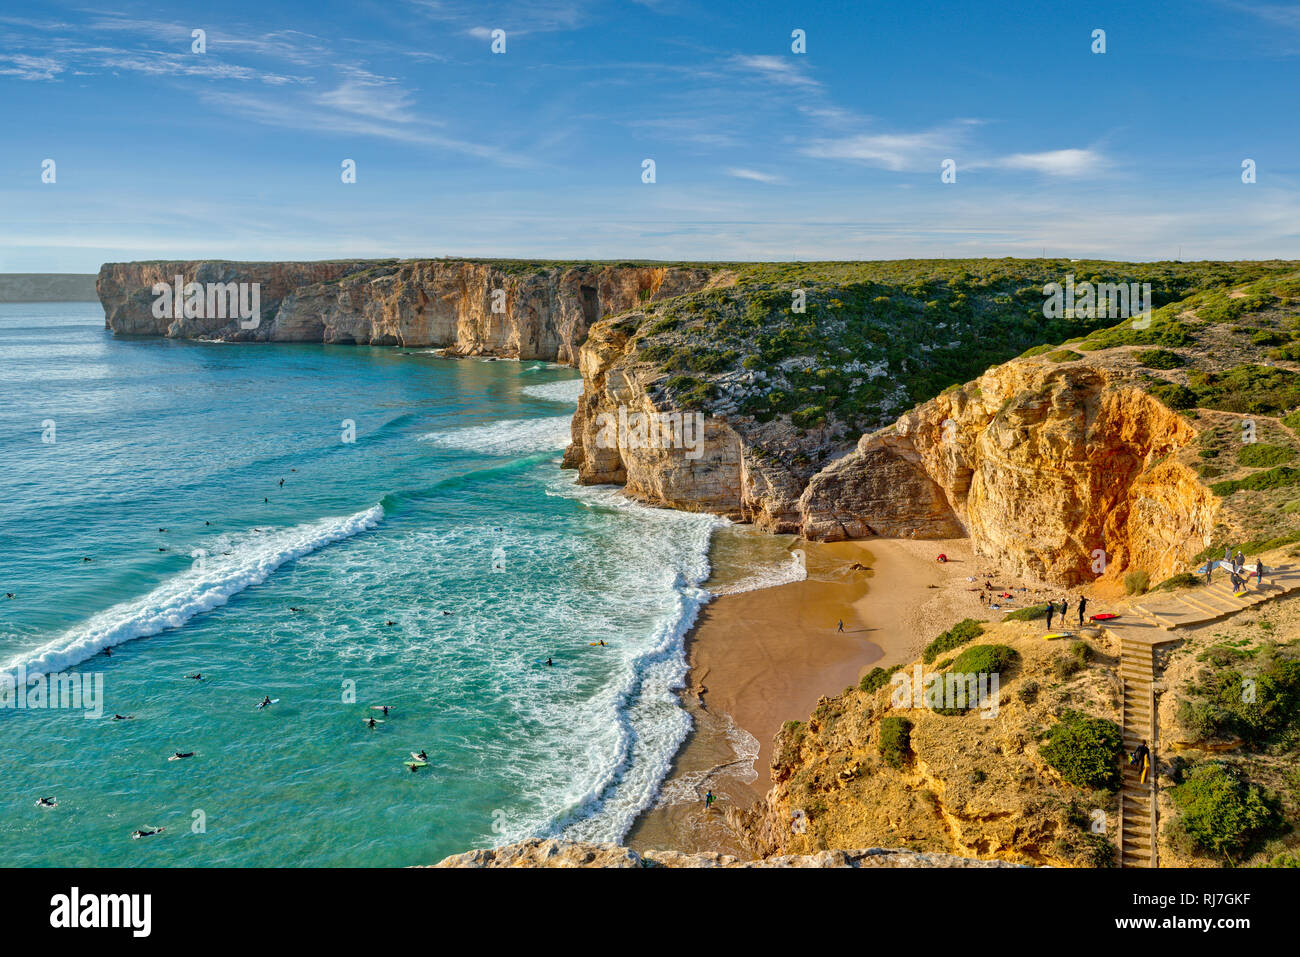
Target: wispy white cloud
{"points": [[921, 150], [782, 70], [755, 175], [1067, 162]]}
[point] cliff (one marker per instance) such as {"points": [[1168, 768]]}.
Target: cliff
{"points": [[536, 852], [466, 307], [1061, 465], [967, 783]]}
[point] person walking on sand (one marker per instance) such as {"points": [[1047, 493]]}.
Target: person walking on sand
{"points": [[1259, 570], [709, 799], [1209, 569], [1083, 606], [1051, 608], [841, 625]]}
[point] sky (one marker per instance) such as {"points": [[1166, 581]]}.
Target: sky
{"points": [[760, 152]]}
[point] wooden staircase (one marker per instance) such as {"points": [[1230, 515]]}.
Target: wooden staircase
{"points": [[1137, 801]]}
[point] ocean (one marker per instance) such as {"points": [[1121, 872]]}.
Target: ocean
{"points": [[434, 552]]}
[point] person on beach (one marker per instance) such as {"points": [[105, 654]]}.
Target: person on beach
{"points": [[1259, 570], [1051, 609], [1239, 560], [1209, 569], [1227, 554], [1083, 606], [709, 799], [841, 625], [1065, 610]]}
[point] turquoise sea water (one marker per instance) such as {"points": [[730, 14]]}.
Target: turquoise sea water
{"points": [[450, 499]]}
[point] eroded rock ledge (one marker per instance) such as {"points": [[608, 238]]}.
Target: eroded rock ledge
{"points": [[536, 852]]}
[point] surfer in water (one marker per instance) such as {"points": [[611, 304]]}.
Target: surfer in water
{"points": [[198, 677], [108, 652], [709, 799], [390, 624], [372, 723], [47, 802], [549, 664], [146, 832], [281, 483], [10, 594], [123, 717], [422, 756], [177, 755], [266, 701]]}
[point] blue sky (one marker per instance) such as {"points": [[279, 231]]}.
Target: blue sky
{"points": [[760, 153]]}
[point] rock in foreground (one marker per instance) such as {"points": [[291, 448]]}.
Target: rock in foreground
{"points": [[536, 852]]}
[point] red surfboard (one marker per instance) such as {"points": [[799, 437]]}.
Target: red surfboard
{"points": [[1105, 616]]}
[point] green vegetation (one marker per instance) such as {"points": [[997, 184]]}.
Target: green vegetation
{"points": [[1263, 455], [1280, 477], [1032, 613], [1159, 359], [1136, 582], [1221, 814], [985, 659], [895, 741], [877, 678], [956, 636], [1085, 751], [1181, 580], [862, 341], [1258, 709]]}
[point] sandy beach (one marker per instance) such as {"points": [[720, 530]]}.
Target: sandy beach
{"points": [[764, 657]]}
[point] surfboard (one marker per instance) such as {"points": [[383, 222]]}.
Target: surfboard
{"points": [[416, 757], [1240, 594], [597, 644], [380, 707], [1104, 616], [416, 764], [1057, 634], [375, 720]]}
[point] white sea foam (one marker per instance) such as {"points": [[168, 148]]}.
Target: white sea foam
{"points": [[795, 570], [507, 437], [208, 584], [566, 390]]}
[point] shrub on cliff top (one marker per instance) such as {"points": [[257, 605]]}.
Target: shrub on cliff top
{"points": [[985, 659], [1221, 813], [876, 678], [1085, 751], [1158, 358], [1264, 455], [1032, 613], [956, 636], [895, 741], [1181, 580]]}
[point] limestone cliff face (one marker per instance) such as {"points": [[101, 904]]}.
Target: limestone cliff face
{"points": [[1062, 472], [740, 471], [469, 308], [1045, 467]]}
